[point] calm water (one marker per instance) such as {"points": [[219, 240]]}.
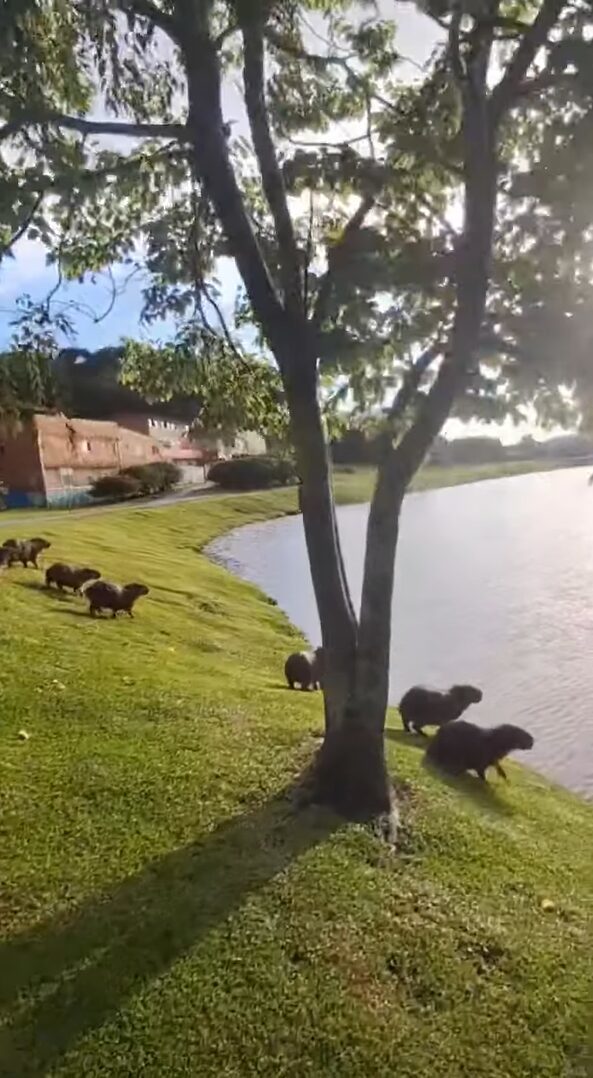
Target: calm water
{"points": [[494, 585]]}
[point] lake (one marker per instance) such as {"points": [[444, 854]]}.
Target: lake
{"points": [[494, 586]]}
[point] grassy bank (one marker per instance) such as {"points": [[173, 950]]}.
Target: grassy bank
{"points": [[165, 912], [354, 484]]}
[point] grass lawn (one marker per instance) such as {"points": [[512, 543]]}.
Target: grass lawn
{"points": [[166, 912], [354, 484]]}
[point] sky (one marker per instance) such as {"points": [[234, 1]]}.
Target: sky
{"points": [[27, 272]]}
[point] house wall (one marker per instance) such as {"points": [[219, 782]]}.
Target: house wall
{"points": [[75, 452], [21, 473]]}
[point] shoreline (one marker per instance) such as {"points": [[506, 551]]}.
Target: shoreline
{"points": [[165, 908], [351, 485]]}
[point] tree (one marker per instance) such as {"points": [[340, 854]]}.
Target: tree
{"points": [[351, 269]]}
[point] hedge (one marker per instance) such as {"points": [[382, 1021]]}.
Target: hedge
{"points": [[116, 487], [252, 473]]}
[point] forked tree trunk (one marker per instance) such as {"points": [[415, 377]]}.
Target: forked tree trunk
{"points": [[351, 773]]}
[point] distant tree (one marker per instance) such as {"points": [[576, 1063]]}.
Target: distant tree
{"points": [[476, 450], [360, 286]]}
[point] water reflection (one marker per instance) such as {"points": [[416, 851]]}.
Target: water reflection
{"points": [[494, 586]]}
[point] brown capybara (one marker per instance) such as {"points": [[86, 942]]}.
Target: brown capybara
{"points": [[104, 596], [462, 746], [68, 576], [305, 668], [421, 707], [25, 550]]}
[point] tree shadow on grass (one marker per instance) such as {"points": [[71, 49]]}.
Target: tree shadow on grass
{"points": [[481, 793], [484, 796], [402, 737], [50, 593], [69, 975], [84, 613]]}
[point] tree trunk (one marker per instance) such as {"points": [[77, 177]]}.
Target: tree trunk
{"points": [[332, 594], [350, 772], [374, 639], [400, 464]]}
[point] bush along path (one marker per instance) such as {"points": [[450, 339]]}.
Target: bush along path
{"points": [[167, 910]]}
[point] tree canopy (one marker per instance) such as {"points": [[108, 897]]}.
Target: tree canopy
{"points": [[360, 192]]}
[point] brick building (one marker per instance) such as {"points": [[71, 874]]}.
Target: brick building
{"points": [[193, 454], [53, 460]]}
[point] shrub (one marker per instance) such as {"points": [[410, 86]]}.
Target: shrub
{"points": [[154, 478], [116, 487], [252, 473]]}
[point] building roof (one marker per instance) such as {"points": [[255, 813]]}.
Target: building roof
{"points": [[81, 428]]}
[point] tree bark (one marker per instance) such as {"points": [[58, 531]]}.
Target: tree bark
{"points": [[332, 594], [350, 772], [374, 640]]}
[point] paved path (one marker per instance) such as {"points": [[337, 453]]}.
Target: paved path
{"points": [[14, 521]]}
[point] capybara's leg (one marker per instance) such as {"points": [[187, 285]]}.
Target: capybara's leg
{"points": [[291, 684], [481, 773], [130, 613], [405, 723], [93, 611], [501, 771], [304, 687], [114, 614]]}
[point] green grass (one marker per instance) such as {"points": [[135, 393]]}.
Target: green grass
{"points": [[166, 912], [351, 484]]}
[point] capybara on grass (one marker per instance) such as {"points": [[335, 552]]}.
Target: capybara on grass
{"points": [[25, 550], [69, 576], [305, 668], [104, 596], [421, 707], [462, 746]]}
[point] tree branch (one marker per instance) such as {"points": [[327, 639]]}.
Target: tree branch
{"points": [[92, 127], [508, 89], [453, 48], [212, 167], [20, 231], [411, 381], [146, 9], [273, 183], [327, 281]]}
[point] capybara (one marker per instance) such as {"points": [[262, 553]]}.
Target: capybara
{"points": [[25, 550], [104, 596], [305, 668], [421, 707], [462, 746], [68, 576]]}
